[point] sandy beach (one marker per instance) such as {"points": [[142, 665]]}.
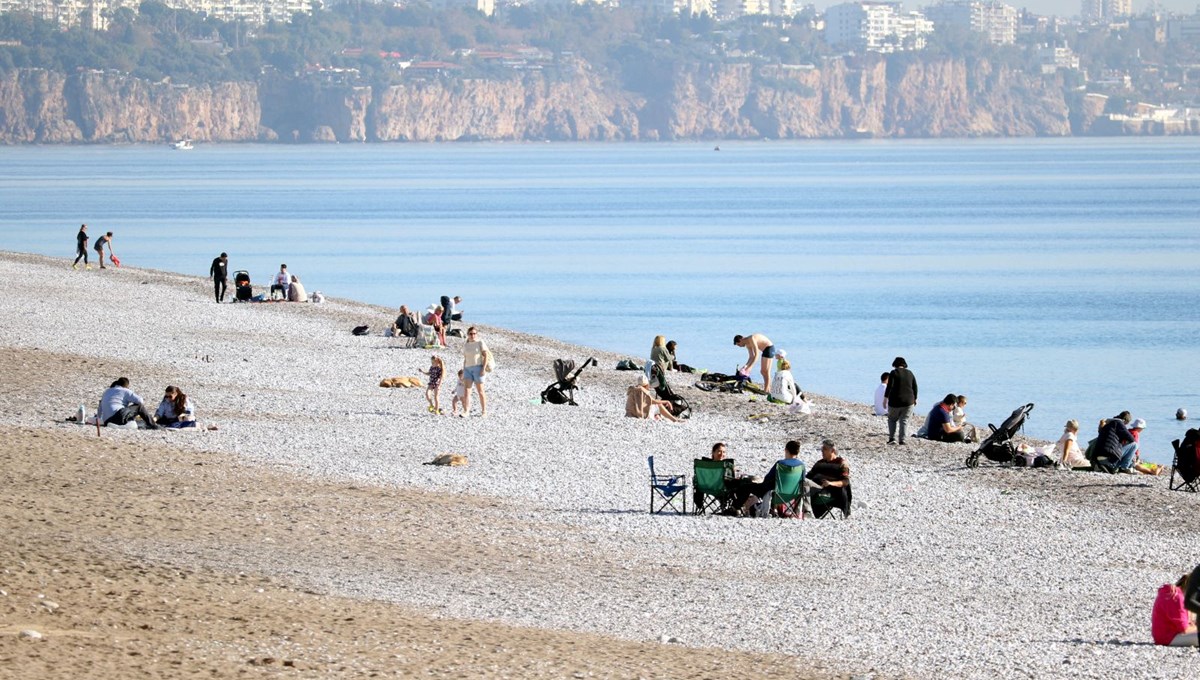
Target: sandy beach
{"points": [[304, 534]]}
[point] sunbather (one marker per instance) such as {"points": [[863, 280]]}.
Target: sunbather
{"points": [[1067, 447]]}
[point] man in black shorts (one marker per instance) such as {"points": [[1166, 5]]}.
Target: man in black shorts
{"points": [[220, 275], [81, 243]]}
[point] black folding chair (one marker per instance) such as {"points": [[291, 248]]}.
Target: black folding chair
{"points": [[1187, 463]]}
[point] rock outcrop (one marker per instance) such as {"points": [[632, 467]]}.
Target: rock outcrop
{"points": [[900, 96]]}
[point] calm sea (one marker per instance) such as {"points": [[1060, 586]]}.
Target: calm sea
{"points": [[1062, 272]]}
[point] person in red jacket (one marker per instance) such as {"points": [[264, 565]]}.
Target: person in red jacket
{"points": [[1170, 623]]}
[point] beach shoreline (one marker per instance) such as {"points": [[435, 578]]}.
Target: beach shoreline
{"points": [[942, 552]]}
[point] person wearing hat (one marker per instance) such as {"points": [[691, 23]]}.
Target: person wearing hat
{"points": [[1135, 431]]}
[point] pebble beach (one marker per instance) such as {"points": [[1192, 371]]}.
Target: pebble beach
{"points": [[310, 504]]}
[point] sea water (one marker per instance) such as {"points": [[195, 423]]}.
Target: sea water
{"points": [[1059, 272]]}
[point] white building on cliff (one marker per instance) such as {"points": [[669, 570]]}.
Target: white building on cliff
{"points": [[875, 27]]}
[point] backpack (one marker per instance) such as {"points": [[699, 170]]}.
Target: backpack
{"points": [[628, 365]]}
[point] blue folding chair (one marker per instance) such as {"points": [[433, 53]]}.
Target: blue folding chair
{"points": [[666, 491]]}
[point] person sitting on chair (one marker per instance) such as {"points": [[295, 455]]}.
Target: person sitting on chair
{"points": [[718, 453], [940, 424], [405, 325], [119, 406], [282, 280], [832, 474], [756, 492]]}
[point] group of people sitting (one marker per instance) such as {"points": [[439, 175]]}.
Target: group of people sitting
{"points": [[1116, 448], [288, 286], [120, 406], [830, 474], [438, 317]]}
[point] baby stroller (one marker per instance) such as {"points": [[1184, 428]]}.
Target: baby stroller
{"points": [[680, 408], [999, 446], [562, 390], [242, 288]]}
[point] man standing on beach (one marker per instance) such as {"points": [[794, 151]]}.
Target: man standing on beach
{"points": [[901, 397], [756, 344], [219, 271], [81, 244]]}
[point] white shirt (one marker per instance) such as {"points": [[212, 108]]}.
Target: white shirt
{"points": [[114, 399], [879, 392], [783, 387]]}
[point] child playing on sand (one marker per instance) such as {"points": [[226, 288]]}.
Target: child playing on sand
{"points": [[1135, 429], [435, 383], [460, 391]]}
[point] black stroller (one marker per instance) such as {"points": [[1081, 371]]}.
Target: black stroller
{"points": [[999, 446], [243, 291], [562, 390], [680, 408]]}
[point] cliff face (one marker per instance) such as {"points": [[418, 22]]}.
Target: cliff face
{"points": [[900, 97]]}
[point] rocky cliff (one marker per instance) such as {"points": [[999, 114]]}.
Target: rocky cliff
{"points": [[903, 96]]}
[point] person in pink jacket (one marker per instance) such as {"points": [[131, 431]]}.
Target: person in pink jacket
{"points": [[1171, 624]]}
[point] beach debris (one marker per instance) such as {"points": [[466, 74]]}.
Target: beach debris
{"points": [[450, 459], [30, 634], [50, 606], [401, 381], [669, 639]]}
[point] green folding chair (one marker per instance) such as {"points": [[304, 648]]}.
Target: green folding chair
{"points": [[666, 491], [787, 499], [712, 492]]}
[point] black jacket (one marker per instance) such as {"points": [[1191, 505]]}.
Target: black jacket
{"points": [[902, 388]]}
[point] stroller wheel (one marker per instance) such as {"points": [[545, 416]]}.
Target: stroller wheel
{"points": [[973, 460]]}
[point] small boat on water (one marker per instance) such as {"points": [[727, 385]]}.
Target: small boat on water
{"points": [[182, 145]]}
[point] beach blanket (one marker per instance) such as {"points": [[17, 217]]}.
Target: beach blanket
{"points": [[401, 381]]}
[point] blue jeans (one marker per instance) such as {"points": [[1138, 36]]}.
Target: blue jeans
{"points": [[1127, 455]]}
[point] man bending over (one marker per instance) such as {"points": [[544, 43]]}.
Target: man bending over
{"points": [[756, 345]]}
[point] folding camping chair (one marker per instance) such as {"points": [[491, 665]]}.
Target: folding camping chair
{"points": [[711, 489], [787, 499], [1186, 463], [666, 491], [832, 502]]}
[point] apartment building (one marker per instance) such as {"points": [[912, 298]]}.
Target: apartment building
{"points": [[995, 20], [1105, 11], [94, 14], [875, 27]]}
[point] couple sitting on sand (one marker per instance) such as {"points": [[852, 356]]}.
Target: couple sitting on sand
{"points": [[120, 406]]}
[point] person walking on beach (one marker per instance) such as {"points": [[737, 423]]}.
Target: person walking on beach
{"points": [[476, 360], [81, 248], [219, 272], [901, 397], [757, 344], [100, 242]]}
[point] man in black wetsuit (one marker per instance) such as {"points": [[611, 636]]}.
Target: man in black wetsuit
{"points": [[220, 275], [81, 243]]}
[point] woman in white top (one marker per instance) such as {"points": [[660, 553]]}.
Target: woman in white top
{"points": [[1067, 447], [783, 387], [475, 357]]}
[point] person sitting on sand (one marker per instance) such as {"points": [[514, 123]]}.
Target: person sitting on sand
{"points": [[641, 402], [1135, 431], [1114, 446], [959, 416], [756, 492], [783, 386], [1171, 624], [175, 410], [296, 292], [1067, 447], [660, 358], [757, 344], [119, 405], [940, 426], [881, 395]]}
